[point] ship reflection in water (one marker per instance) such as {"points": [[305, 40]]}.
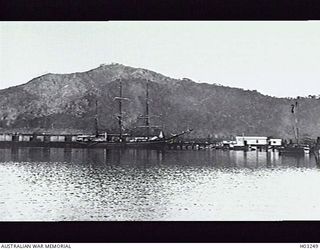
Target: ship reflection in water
{"points": [[41, 184]]}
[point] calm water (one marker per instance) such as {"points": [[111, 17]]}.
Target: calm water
{"points": [[40, 184]]}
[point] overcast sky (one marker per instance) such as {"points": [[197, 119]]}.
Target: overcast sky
{"points": [[275, 58]]}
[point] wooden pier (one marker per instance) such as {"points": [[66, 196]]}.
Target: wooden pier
{"points": [[187, 146]]}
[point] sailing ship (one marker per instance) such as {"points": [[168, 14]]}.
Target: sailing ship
{"points": [[123, 140], [295, 148], [98, 140]]}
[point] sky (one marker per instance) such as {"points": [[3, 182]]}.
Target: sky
{"points": [[275, 58]]}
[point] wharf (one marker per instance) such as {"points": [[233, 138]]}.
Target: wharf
{"points": [[188, 145]]}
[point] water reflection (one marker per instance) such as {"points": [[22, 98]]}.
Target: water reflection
{"points": [[133, 157], [100, 184]]}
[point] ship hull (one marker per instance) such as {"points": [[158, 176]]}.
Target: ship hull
{"points": [[142, 145], [292, 151]]}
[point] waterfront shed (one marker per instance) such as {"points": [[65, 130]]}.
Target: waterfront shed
{"points": [[40, 138], [275, 142], [25, 137], [57, 138], [74, 138], [251, 141], [5, 137]]}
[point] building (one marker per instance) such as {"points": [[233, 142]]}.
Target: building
{"points": [[244, 141], [57, 138], [256, 142], [25, 137], [5, 137], [275, 142], [228, 144]]}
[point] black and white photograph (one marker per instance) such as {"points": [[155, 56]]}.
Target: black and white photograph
{"points": [[159, 121]]}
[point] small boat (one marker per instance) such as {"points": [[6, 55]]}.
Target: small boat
{"points": [[306, 149]]}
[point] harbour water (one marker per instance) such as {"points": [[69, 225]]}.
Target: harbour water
{"points": [[55, 184]]}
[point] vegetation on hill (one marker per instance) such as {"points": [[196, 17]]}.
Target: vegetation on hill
{"points": [[65, 103]]}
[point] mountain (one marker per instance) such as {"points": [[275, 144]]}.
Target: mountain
{"points": [[65, 103]]}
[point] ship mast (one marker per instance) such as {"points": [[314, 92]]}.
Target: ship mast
{"points": [[297, 122], [294, 111], [120, 98], [147, 111], [146, 117], [120, 111], [119, 116], [96, 119]]}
